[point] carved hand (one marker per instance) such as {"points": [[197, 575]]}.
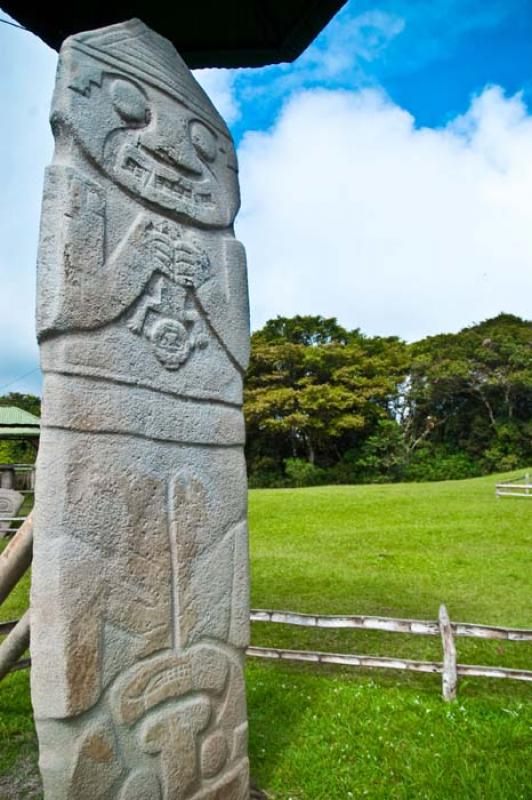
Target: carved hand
{"points": [[191, 264], [182, 261]]}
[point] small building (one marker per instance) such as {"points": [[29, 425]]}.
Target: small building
{"points": [[17, 425]]}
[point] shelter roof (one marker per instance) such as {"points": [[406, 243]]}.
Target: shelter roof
{"points": [[18, 433], [206, 33], [17, 423]]}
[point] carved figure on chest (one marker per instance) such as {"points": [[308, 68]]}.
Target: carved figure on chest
{"points": [[143, 162]]}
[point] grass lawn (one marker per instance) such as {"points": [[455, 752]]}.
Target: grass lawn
{"points": [[396, 550]]}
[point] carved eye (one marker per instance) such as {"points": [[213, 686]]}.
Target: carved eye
{"points": [[129, 102], [203, 140]]}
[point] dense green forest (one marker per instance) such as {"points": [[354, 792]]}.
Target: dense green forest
{"points": [[327, 405]]}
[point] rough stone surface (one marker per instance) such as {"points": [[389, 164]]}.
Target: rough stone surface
{"points": [[10, 505], [140, 580]]}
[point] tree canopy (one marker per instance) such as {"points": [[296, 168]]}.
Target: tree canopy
{"points": [[326, 403]]}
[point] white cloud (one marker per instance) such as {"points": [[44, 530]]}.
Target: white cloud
{"points": [[218, 83], [349, 40], [27, 68], [351, 211], [340, 55]]}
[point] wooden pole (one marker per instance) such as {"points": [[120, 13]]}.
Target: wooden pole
{"points": [[16, 558], [449, 673], [14, 645]]}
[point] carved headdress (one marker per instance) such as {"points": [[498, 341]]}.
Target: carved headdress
{"points": [[126, 97], [134, 49]]}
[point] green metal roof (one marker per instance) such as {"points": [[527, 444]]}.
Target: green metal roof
{"points": [[18, 433], [13, 417]]}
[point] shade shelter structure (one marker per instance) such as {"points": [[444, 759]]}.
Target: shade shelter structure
{"points": [[206, 33], [17, 424]]}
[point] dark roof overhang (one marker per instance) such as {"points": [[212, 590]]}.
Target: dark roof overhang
{"points": [[206, 33]]}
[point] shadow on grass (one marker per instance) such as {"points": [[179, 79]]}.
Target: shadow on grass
{"points": [[19, 773], [280, 706], [23, 781]]}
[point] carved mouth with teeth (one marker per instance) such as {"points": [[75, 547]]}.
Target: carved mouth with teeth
{"points": [[166, 184]]}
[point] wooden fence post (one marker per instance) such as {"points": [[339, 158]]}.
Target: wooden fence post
{"points": [[449, 673]]}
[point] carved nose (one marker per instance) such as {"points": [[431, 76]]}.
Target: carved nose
{"points": [[169, 140], [184, 155]]}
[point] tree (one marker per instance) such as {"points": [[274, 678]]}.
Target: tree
{"points": [[472, 392], [315, 390], [27, 402]]}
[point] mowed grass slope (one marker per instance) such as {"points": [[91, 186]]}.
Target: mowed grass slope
{"points": [[396, 550], [388, 548]]}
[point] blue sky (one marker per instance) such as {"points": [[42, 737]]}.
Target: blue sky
{"points": [[386, 175], [430, 57]]}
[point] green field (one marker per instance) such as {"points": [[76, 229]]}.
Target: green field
{"points": [[396, 550]]}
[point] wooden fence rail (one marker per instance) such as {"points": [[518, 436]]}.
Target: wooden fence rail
{"points": [[448, 668], [17, 556], [517, 487], [392, 624], [18, 637], [382, 662]]}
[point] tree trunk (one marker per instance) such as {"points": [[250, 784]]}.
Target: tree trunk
{"points": [[310, 450]]}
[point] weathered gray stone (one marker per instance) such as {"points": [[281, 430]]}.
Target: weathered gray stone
{"points": [[10, 504], [140, 579], [7, 476]]}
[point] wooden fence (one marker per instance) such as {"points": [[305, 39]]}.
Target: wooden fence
{"points": [[16, 559], [517, 487], [5, 522], [443, 627]]}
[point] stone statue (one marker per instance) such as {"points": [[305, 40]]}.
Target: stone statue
{"points": [[10, 504], [140, 611]]}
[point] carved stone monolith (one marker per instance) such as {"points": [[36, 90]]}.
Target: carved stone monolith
{"points": [[140, 581], [10, 504]]}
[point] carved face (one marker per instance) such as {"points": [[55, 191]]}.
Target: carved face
{"points": [[155, 147]]}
